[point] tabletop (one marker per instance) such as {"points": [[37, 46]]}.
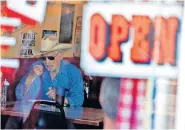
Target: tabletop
{"points": [[78, 115]]}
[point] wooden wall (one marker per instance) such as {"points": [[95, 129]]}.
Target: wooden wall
{"points": [[52, 22]]}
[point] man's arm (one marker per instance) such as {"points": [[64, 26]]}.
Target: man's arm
{"points": [[32, 92], [23, 86], [76, 92], [25, 82]]}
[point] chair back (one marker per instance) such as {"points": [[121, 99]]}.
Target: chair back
{"points": [[44, 119]]}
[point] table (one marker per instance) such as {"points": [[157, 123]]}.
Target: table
{"points": [[78, 115]]}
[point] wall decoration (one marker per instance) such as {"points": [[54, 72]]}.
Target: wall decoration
{"points": [[78, 32], [66, 23], [28, 41], [48, 32], [79, 23]]}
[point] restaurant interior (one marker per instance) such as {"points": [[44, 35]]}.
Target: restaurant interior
{"points": [[63, 19], [52, 25]]}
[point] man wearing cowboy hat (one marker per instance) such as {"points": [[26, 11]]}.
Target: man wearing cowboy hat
{"points": [[51, 75]]}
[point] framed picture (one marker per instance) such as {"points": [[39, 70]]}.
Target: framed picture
{"points": [[48, 32], [66, 23]]}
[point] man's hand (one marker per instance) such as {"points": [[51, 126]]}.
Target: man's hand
{"points": [[66, 101], [51, 93], [38, 70]]}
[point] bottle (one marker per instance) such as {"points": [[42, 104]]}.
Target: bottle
{"points": [[87, 89], [4, 93]]}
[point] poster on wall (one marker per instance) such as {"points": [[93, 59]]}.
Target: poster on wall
{"points": [[78, 32], [66, 23], [48, 32], [28, 41]]}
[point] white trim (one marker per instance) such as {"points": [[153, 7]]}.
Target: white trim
{"points": [[137, 71], [35, 12], [11, 41], [10, 21], [180, 109], [13, 63]]}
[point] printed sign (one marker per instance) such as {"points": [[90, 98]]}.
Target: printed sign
{"points": [[27, 44], [132, 40]]}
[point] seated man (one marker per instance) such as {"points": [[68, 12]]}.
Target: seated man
{"points": [[51, 75], [109, 96]]}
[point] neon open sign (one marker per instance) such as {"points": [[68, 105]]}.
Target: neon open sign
{"points": [[103, 44], [123, 38]]}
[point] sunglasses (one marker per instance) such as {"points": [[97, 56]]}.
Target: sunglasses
{"points": [[48, 57]]}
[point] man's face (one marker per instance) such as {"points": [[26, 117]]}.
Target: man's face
{"points": [[52, 63]]}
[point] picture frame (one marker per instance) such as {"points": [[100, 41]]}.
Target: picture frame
{"points": [[48, 32]]}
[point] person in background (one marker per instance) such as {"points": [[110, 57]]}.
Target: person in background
{"points": [[51, 76], [109, 95]]}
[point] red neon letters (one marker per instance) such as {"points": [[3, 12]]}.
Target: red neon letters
{"points": [[104, 44], [141, 46], [98, 35]]}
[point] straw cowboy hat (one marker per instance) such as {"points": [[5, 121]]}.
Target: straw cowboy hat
{"points": [[50, 44]]}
